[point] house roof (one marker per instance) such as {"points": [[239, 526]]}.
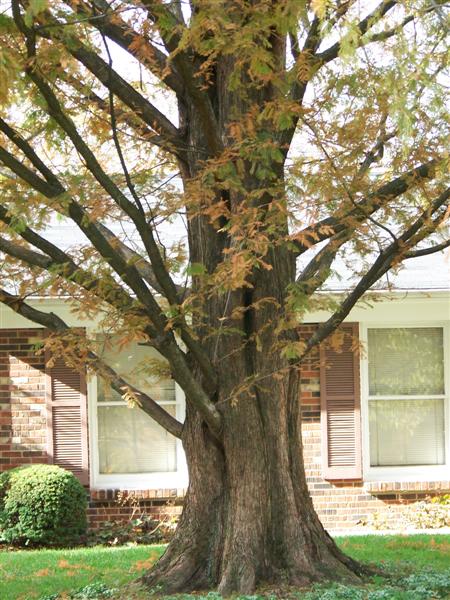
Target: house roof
{"points": [[426, 273]]}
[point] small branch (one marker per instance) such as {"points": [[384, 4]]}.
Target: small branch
{"points": [[329, 226], [56, 324], [122, 33], [430, 250], [28, 151], [317, 270], [144, 268], [363, 26], [385, 260], [130, 119], [40, 185]]}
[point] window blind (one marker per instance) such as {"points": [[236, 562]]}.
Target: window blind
{"points": [[407, 432], [406, 361], [406, 419], [130, 441]]}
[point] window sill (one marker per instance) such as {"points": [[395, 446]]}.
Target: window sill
{"points": [[101, 494], [150, 481]]}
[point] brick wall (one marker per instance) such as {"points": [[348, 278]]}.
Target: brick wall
{"points": [[118, 505], [22, 399]]}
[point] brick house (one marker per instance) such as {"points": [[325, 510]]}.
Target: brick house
{"points": [[375, 411]]}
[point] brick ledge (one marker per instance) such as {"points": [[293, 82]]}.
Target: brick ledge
{"points": [[387, 487], [150, 494]]}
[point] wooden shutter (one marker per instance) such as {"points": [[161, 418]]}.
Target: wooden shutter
{"points": [[67, 432], [341, 407]]}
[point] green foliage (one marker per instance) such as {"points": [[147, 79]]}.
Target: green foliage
{"points": [[431, 513], [87, 592], [143, 530], [437, 585], [443, 500], [41, 504], [417, 586], [427, 585], [55, 574]]}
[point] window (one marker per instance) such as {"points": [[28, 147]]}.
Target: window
{"points": [[130, 449], [129, 441], [406, 396]]}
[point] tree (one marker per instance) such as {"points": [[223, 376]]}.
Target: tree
{"points": [[303, 133]]}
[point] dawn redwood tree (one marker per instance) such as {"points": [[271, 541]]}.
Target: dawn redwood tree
{"points": [[286, 135]]}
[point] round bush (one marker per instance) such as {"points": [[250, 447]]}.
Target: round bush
{"points": [[41, 504]]}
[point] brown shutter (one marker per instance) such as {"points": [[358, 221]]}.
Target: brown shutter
{"points": [[341, 407], [67, 434]]}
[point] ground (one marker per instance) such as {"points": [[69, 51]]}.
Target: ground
{"points": [[420, 564]]}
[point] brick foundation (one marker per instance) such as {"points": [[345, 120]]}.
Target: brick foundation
{"points": [[340, 505], [119, 505]]}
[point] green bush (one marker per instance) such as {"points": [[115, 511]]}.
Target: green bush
{"points": [[41, 505]]}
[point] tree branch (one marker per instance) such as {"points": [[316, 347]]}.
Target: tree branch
{"points": [[429, 250], [120, 32], [317, 270], [163, 338], [127, 272], [329, 226], [56, 261], [56, 324], [144, 268], [161, 274], [168, 25], [141, 107], [128, 118], [385, 260]]}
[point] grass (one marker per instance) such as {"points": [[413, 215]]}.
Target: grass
{"points": [[28, 575], [420, 551]]}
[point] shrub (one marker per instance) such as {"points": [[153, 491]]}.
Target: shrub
{"points": [[43, 505], [431, 513], [142, 530], [428, 515]]}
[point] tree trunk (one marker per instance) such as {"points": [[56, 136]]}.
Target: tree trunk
{"points": [[248, 518]]}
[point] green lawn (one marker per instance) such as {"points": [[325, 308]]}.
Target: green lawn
{"points": [[420, 550], [29, 574], [32, 574]]}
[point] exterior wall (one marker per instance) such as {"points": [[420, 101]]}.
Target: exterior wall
{"points": [[23, 430], [23, 438]]}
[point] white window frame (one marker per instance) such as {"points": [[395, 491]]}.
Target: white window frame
{"points": [[134, 481], [403, 473]]}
